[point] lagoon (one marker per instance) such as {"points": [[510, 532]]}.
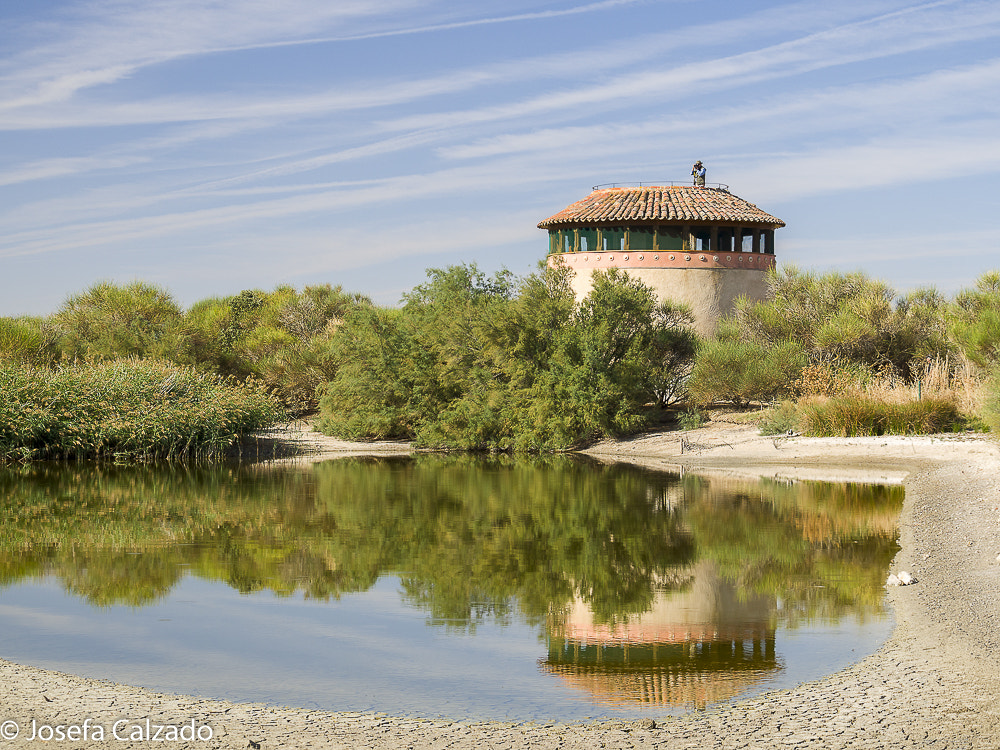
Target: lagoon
{"points": [[443, 586]]}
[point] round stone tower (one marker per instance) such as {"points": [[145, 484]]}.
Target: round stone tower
{"points": [[702, 246]]}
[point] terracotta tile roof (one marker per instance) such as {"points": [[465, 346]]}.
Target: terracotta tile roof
{"points": [[675, 204]]}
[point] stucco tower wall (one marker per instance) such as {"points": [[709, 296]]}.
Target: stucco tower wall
{"points": [[711, 292]]}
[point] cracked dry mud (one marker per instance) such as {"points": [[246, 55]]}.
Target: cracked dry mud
{"points": [[934, 684]]}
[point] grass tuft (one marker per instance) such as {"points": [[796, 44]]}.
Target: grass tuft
{"points": [[857, 414]]}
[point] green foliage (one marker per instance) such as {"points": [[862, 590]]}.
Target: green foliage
{"points": [[991, 402], [821, 548], [975, 320], [840, 322], [494, 363], [741, 372], [845, 318], [281, 337], [125, 410], [110, 321], [860, 414], [371, 393], [691, 419], [30, 341], [780, 419], [476, 538]]}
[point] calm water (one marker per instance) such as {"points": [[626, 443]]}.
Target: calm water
{"points": [[460, 587]]}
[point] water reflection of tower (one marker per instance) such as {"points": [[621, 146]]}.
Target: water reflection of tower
{"points": [[695, 646]]}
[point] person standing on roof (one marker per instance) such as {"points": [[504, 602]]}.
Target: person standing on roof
{"points": [[698, 170]]}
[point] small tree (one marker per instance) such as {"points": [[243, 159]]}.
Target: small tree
{"points": [[110, 321], [975, 320]]}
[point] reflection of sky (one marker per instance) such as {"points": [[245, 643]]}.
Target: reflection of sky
{"points": [[367, 651]]}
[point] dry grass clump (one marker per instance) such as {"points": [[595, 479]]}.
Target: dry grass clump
{"points": [[126, 410], [824, 379], [850, 401], [854, 415]]}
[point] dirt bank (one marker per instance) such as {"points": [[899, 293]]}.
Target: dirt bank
{"points": [[934, 684]]}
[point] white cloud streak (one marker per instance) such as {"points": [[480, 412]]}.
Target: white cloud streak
{"points": [[891, 34]]}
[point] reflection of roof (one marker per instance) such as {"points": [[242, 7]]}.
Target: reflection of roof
{"points": [[705, 608], [696, 645], [657, 632], [672, 685], [703, 657], [651, 205]]}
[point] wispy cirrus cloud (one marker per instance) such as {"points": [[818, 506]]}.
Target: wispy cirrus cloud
{"points": [[108, 41], [893, 33], [899, 104], [102, 42], [115, 45]]}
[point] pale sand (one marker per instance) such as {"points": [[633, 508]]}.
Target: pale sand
{"points": [[934, 684]]}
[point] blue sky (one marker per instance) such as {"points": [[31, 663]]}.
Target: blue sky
{"points": [[210, 146]]}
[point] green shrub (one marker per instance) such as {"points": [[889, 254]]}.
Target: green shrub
{"points": [[281, 337], [126, 409], [844, 318], [372, 393], [742, 372], [691, 419], [30, 341], [780, 419], [110, 321], [481, 363], [991, 403], [858, 414], [975, 320]]}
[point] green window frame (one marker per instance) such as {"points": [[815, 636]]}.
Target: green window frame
{"points": [[641, 238], [613, 240], [587, 240], [669, 238]]}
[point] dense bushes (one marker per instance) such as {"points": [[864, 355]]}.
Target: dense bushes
{"points": [[505, 363], [109, 321], [744, 371], [280, 337], [975, 321], [497, 363], [843, 320], [27, 340], [125, 409]]}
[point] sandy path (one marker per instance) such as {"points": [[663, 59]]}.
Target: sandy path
{"points": [[934, 684]]}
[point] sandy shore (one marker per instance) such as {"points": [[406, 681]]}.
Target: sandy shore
{"points": [[934, 684]]}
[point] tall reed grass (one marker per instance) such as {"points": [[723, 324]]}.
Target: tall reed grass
{"points": [[126, 410], [854, 415], [942, 396]]}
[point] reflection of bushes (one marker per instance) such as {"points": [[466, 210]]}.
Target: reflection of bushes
{"points": [[107, 577], [487, 531], [466, 535], [822, 548], [471, 539]]}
